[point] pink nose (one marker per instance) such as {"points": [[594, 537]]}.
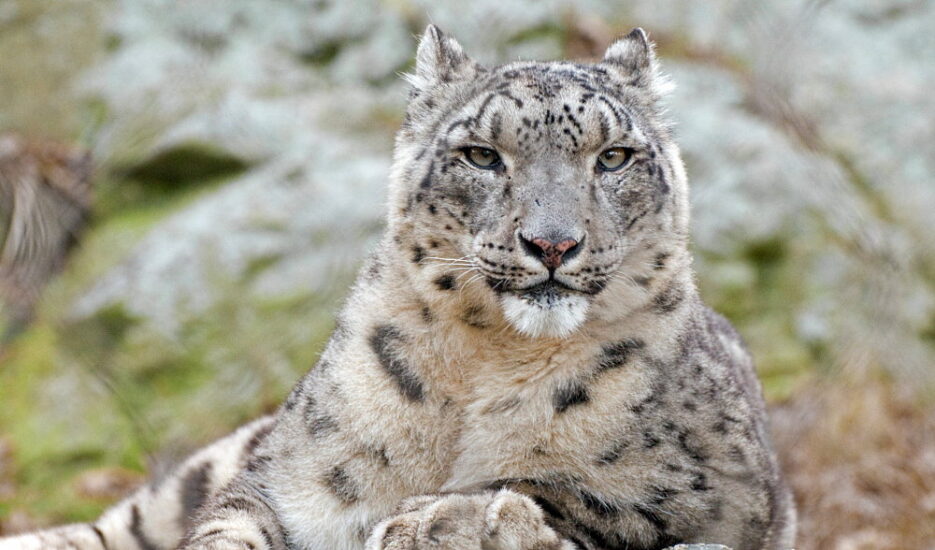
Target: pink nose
{"points": [[550, 252]]}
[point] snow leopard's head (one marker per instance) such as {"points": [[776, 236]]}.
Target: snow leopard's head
{"points": [[548, 193]]}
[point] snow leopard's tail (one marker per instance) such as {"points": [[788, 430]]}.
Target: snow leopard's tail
{"points": [[157, 515]]}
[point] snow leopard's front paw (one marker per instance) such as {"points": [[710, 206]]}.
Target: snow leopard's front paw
{"points": [[501, 520]]}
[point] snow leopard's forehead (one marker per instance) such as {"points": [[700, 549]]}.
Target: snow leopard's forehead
{"points": [[563, 106]]}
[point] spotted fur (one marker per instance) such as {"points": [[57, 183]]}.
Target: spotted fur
{"points": [[479, 396]]}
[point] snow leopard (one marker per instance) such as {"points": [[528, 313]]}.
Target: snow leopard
{"points": [[523, 363]]}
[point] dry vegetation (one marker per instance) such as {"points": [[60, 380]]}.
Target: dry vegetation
{"points": [[860, 456]]}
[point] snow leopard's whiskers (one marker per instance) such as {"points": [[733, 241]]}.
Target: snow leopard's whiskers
{"points": [[465, 271], [462, 261], [477, 276], [624, 278]]}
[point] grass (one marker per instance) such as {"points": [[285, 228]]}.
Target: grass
{"points": [[760, 291], [106, 391]]}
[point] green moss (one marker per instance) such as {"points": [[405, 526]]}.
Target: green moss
{"points": [[548, 30], [112, 42], [766, 255], [323, 54], [184, 164], [131, 391], [928, 331], [100, 334], [131, 204], [256, 266], [40, 421], [760, 291]]}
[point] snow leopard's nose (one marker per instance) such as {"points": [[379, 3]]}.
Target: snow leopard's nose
{"points": [[551, 252]]}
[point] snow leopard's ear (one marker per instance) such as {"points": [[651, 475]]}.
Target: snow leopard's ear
{"points": [[634, 57], [440, 59]]}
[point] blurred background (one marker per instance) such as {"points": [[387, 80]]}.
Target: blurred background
{"points": [[187, 188]]}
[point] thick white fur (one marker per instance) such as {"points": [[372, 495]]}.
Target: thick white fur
{"points": [[545, 320]]}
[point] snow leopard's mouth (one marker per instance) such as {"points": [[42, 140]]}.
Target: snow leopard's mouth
{"points": [[548, 290]]}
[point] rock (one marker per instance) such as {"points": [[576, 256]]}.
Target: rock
{"points": [[234, 77], [776, 156], [235, 94], [296, 224], [778, 162]]}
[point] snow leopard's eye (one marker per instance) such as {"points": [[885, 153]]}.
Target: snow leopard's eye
{"points": [[481, 157], [614, 158]]}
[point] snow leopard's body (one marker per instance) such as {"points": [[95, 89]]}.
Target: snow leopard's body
{"points": [[523, 363]]}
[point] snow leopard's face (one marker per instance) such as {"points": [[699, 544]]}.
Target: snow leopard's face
{"points": [[548, 182]]}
